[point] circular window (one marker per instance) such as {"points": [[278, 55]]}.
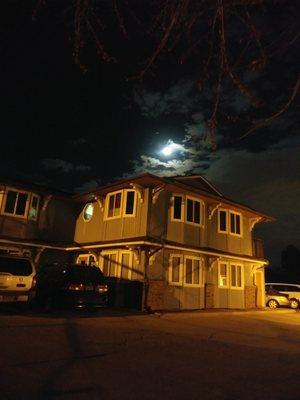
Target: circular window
{"points": [[88, 212]]}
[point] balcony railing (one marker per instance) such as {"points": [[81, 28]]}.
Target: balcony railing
{"points": [[258, 248]]}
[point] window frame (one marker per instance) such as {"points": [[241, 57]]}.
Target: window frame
{"points": [[4, 201], [229, 265], [202, 211], [235, 213], [108, 253], [182, 213], [121, 252], [32, 196], [170, 269], [108, 196], [201, 272], [125, 191], [219, 220]]}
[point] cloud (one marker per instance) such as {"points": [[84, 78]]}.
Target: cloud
{"points": [[52, 164], [177, 99], [78, 141]]}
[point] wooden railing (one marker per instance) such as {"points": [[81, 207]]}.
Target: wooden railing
{"points": [[258, 248]]}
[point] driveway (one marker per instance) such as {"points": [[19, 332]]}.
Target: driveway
{"points": [[121, 355]]}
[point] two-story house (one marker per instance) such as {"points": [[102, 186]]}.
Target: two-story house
{"points": [[36, 222], [188, 245]]}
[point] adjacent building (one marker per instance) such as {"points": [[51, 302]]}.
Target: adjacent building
{"points": [[163, 243]]}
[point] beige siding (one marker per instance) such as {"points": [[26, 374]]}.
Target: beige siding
{"points": [[98, 229]]}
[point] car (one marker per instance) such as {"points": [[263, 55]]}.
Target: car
{"points": [[17, 279], [275, 299], [70, 286], [291, 289]]}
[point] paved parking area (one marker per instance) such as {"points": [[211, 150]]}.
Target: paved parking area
{"points": [[122, 355]]}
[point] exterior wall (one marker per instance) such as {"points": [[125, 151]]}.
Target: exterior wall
{"points": [[98, 229], [55, 221]]}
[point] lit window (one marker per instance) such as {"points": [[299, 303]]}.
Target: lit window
{"points": [[129, 202], [192, 271], [177, 208], [223, 275], [16, 203], [34, 207], [126, 265], [235, 223], [193, 211], [114, 205], [88, 212], [223, 220]]}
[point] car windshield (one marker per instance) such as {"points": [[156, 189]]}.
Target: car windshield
{"points": [[85, 274], [15, 266]]}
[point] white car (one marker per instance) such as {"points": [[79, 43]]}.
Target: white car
{"points": [[17, 279], [291, 289]]}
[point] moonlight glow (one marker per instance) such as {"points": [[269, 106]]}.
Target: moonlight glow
{"points": [[170, 148]]}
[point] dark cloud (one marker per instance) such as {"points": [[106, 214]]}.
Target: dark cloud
{"points": [[66, 167]]}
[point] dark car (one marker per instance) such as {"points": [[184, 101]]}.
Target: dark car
{"points": [[70, 286]]}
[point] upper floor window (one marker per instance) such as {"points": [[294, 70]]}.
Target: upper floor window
{"points": [[20, 204], [229, 222], [190, 210], [121, 203], [177, 205], [88, 211]]}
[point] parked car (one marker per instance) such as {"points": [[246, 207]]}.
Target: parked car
{"points": [[17, 279], [70, 286], [290, 289], [275, 299]]}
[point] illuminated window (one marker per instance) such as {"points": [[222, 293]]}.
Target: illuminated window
{"points": [[192, 275], [114, 205], [126, 265], [223, 275], [34, 207], [88, 212], [235, 223], [16, 203], [193, 211]]}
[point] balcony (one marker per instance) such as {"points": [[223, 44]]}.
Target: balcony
{"points": [[258, 248]]}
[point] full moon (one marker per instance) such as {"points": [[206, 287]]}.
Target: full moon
{"points": [[168, 150]]}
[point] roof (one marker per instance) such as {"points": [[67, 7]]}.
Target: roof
{"points": [[196, 184]]}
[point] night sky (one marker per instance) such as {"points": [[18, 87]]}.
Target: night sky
{"points": [[74, 127]]}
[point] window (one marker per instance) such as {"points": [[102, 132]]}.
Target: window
{"points": [[88, 211], [177, 204], [192, 274], [110, 264], [126, 265], [193, 213], [129, 203], [235, 223], [222, 220], [16, 203], [223, 275], [114, 202], [34, 207], [121, 203], [236, 276], [175, 269], [230, 275]]}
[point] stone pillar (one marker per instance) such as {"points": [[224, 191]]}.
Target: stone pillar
{"points": [[250, 296], [209, 295], [156, 294]]}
